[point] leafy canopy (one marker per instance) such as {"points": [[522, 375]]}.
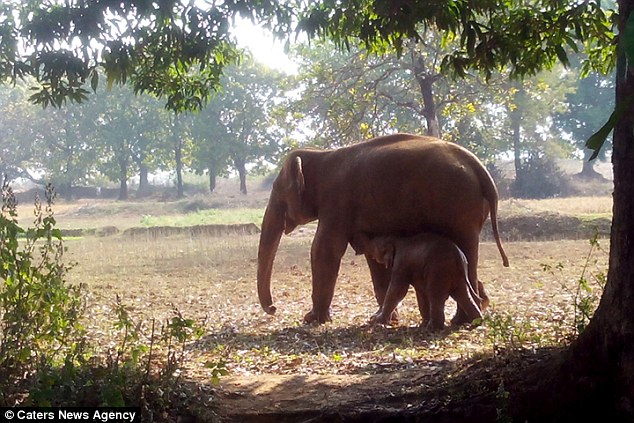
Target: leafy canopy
{"points": [[169, 48], [177, 49], [525, 35]]}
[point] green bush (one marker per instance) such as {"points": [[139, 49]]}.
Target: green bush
{"points": [[40, 315], [539, 177], [45, 359]]}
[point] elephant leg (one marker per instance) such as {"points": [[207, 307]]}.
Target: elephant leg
{"points": [[326, 253], [466, 302], [470, 249], [437, 313], [380, 281], [397, 290], [483, 296], [423, 306]]}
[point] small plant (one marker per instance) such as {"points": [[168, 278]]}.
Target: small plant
{"points": [[589, 287], [503, 405], [505, 331]]}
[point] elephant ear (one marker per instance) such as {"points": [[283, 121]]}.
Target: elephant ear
{"points": [[388, 255], [297, 175]]}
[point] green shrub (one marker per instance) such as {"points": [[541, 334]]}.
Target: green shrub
{"points": [[539, 177], [40, 315], [45, 359]]}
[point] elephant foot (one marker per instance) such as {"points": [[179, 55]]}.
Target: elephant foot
{"points": [[460, 318], [379, 318], [435, 326], [317, 317], [485, 303], [463, 320]]}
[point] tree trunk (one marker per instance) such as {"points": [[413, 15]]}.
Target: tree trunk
{"points": [[144, 185], [515, 117], [607, 345], [426, 85], [212, 178], [240, 164], [178, 156], [587, 171], [180, 192], [123, 180]]}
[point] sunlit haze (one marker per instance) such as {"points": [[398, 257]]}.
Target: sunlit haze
{"points": [[263, 45]]}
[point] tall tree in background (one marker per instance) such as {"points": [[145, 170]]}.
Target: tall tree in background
{"points": [[346, 96], [589, 106], [130, 132], [530, 109], [240, 123], [17, 140]]}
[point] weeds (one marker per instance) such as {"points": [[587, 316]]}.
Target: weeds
{"points": [[507, 332], [588, 288], [45, 358], [40, 315]]}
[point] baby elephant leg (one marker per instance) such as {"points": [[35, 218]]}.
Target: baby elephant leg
{"points": [[465, 301], [396, 291], [423, 306], [437, 310]]}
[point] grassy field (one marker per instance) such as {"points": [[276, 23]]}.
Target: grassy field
{"points": [[268, 358]]}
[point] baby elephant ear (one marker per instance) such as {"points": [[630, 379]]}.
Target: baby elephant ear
{"points": [[359, 243], [388, 255]]}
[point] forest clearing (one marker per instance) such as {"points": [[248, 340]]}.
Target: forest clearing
{"points": [[275, 367]]}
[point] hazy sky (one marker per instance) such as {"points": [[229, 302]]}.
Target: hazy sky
{"points": [[265, 48]]}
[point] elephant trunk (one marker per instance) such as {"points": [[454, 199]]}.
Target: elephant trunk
{"points": [[272, 228]]}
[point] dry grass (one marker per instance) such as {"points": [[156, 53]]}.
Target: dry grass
{"points": [[578, 206], [213, 280]]}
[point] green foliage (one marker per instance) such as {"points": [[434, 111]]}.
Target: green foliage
{"points": [[625, 60], [508, 332], [45, 357], [589, 287], [173, 50], [503, 405], [492, 34], [40, 314]]}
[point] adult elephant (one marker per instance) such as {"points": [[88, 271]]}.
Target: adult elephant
{"points": [[397, 184]]}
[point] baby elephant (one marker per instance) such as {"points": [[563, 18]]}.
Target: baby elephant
{"points": [[433, 264]]}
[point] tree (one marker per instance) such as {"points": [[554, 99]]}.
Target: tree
{"points": [[240, 123], [131, 130], [17, 140], [530, 110], [59, 144], [351, 95], [171, 49], [588, 108]]}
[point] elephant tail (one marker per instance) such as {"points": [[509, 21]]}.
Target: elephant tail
{"points": [[496, 234], [491, 194]]}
